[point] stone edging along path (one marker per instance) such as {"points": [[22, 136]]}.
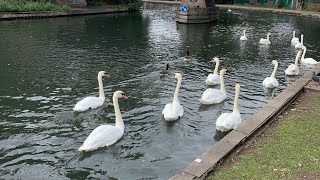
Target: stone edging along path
{"points": [[51, 14], [206, 163]]}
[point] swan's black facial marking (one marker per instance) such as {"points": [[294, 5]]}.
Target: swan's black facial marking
{"points": [[124, 96]]}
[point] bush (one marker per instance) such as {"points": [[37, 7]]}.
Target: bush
{"points": [[27, 6], [134, 5]]}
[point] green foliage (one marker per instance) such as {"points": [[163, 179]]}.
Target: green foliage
{"points": [[134, 5], [94, 2], [28, 6]]}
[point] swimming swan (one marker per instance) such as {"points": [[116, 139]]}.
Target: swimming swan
{"points": [[243, 37], [265, 41], [215, 96], [173, 111], [299, 45], [188, 56], [294, 39], [272, 82], [310, 61], [293, 69], [228, 121], [213, 78], [106, 135], [91, 101]]}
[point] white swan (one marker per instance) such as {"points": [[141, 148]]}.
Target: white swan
{"points": [[106, 135], [293, 69], [294, 39], [310, 61], [265, 41], [272, 82], [299, 45], [173, 111], [214, 96], [228, 121], [91, 101], [244, 37], [213, 78], [229, 9]]}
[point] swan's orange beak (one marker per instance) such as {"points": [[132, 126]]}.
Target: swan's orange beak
{"points": [[107, 75], [125, 97]]}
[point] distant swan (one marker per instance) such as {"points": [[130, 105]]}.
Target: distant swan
{"points": [[293, 69], [213, 78], [272, 82], [164, 72], [243, 37], [106, 135], [229, 9], [228, 121], [310, 61], [214, 96], [265, 41], [299, 45], [294, 39], [173, 111], [92, 102]]}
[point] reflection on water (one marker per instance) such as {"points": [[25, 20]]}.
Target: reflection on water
{"points": [[48, 65]]}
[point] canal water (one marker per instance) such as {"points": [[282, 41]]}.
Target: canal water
{"points": [[47, 65]]}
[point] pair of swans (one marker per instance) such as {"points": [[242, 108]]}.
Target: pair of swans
{"points": [[244, 37], [265, 41], [293, 69], [271, 82], [213, 78], [173, 111], [215, 96], [229, 121]]}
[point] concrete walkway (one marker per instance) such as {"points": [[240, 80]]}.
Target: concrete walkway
{"points": [[312, 14], [73, 12]]}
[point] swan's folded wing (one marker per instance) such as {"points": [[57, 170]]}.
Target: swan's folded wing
{"points": [[103, 135], [89, 102]]}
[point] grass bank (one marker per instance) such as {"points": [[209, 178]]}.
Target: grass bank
{"points": [[30, 6], [289, 149]]}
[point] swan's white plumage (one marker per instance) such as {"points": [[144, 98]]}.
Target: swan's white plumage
{"points": [[244, 37], [293, 69], [299, 45], [92, 102], [214, 96], [265, 41], [228, 121], [106, 135], [294, 39], [214, 78], [173, 111], [310, 61], [271, 82]]}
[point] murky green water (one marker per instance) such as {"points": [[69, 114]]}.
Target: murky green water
{"points": [[48, 65]]}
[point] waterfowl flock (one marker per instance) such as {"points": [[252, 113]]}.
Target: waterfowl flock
{"points": [[106, 135]]}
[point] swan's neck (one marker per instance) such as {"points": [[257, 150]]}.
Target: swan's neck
{"points": [[297, 58], [216, 68], [119, 121], [235, 103], [274, 71], [176, 93], [301, 39], [294, 34], [268, 36], [244, 33], [222, 86], [101, 92], [304, 52]]}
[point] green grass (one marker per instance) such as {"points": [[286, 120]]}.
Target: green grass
{"points": [[293, 150], [30, 6]]}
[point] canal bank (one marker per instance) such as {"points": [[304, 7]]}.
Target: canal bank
{"points": [[73, 12]]}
